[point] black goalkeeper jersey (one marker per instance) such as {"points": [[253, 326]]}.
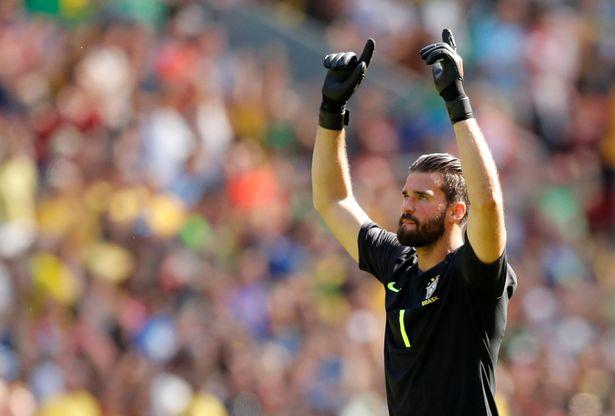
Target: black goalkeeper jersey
{"points": [[444, 326]]}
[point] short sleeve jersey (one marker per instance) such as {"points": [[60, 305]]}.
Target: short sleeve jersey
{"points": [[444, 326]]}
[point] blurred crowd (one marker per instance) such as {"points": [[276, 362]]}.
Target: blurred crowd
{"points": [[159, 254]]}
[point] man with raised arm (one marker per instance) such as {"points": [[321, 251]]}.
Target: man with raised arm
{"points": [[445, 272]]}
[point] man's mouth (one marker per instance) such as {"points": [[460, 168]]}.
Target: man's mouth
{"points": [[408, 221]]}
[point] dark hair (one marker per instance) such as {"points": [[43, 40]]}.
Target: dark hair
{"points": [[449, 166]]}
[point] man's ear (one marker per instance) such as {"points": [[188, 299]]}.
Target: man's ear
{"points": [[457, 210]]}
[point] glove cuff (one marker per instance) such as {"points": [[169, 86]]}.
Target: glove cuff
{"points": [[333, 118], [459, 109]]}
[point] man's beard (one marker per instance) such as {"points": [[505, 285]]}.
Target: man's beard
{"points": [[423, 234]]}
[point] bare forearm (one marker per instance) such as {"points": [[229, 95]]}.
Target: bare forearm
{"points": [[479, 168], [330, 170], [486, 229], [332, 191]]}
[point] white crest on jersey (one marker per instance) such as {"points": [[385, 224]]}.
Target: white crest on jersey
{"points": [[431, 287]]}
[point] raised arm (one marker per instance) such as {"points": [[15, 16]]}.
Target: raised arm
{"points": [[486, 230], [331, 186]]}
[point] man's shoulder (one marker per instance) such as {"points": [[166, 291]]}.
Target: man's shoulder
{"points": [[495, 276], [380, 252]]}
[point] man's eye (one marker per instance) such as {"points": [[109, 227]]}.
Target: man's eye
{"points": [[423, 197]]}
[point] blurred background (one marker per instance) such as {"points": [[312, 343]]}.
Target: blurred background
{"points": [[159, 254]]}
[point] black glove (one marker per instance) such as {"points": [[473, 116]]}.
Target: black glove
{"points": [[343, 78], [447, 73]]}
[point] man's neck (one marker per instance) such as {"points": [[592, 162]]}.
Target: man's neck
{"points": [[430, 256]]}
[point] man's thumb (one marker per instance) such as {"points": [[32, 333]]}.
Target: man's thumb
{"points": [[368, 51], [355, 77], [447, 37]]}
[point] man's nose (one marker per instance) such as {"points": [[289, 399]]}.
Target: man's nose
{"points": [[407, 206]]}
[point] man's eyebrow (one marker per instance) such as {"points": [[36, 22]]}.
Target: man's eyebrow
{"points": [[420, 193], [424, 193]]}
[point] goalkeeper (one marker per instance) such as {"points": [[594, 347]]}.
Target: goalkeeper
{"points": [[445, 273]]}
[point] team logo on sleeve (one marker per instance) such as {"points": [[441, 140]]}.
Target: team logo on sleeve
{"points": [[431, 287]]}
